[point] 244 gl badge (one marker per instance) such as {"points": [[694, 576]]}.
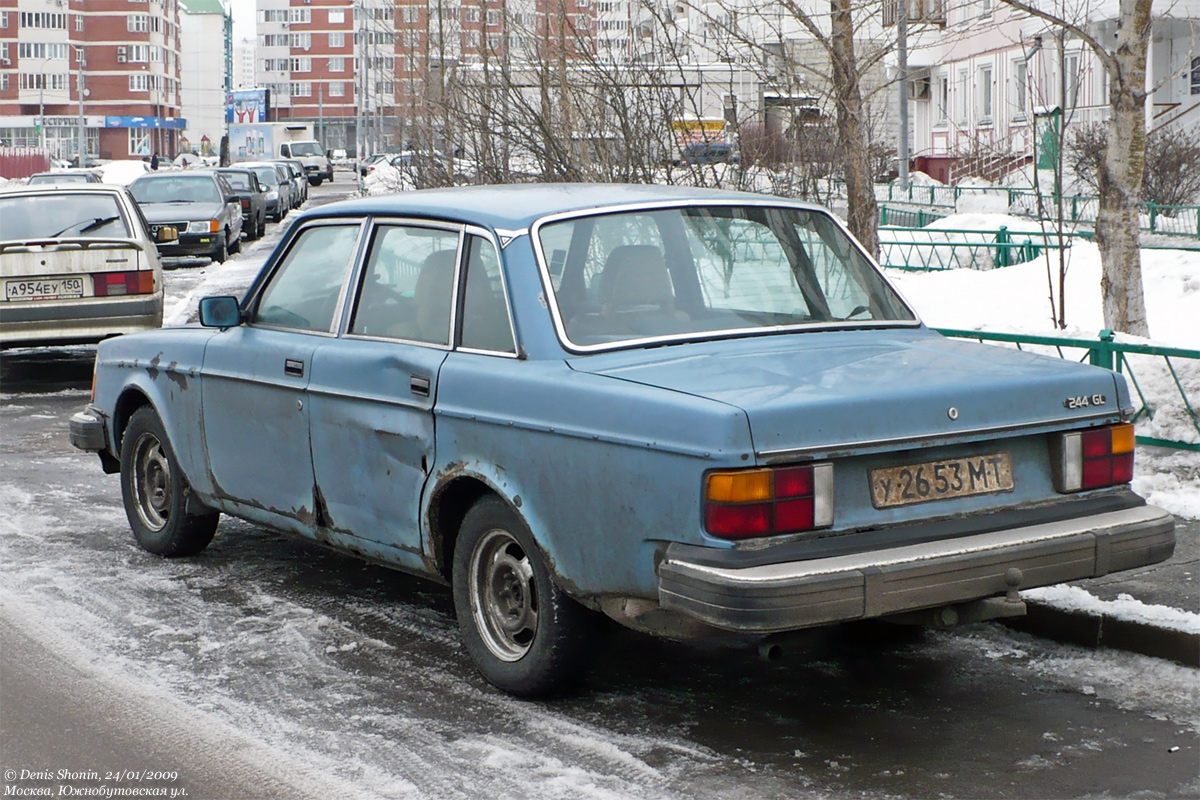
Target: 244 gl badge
{"points": [[1085, 401]]}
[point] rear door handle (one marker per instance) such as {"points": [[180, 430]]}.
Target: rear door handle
{"points": [[419, 386], [293, 367]]}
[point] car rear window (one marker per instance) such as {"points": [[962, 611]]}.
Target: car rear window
{"points": [[696, 271], [50, 216], [169, 189], [238, 180]]}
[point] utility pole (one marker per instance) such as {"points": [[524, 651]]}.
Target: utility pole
{"points": [[358, 99], [902, 69], [82, 125]]}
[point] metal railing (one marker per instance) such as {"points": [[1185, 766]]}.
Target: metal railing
{"points": [[934, 249], [1165, 405], [1077, 209]]}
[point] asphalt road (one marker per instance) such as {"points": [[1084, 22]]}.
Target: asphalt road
{"points": [[267, 667]]}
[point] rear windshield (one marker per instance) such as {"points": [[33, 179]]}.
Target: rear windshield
{"points": [[267, 175], [61, 215], [238, 180], [172, 189], [696, 271]]}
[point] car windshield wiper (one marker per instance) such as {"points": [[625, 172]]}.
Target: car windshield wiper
{"points": [[88, 225]]}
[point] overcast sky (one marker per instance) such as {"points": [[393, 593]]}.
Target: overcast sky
{"points": [[243, 18]]}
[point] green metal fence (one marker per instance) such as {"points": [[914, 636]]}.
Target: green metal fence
{"points": [[1077, 209], [933, 249], [1160, 408]]}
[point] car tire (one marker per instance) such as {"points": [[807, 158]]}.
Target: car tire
{"points": [[235, 246], [524, 633], [155, 492], [221, 253], [315, 181], [252, 232], [262, 226]]}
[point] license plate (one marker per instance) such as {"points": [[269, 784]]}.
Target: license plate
{"points": [[43, 289], [941, 480]]}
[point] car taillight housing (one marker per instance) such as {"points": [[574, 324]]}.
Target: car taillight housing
{"points": [[743, 504], [245, 204], [1094, 458], [114, 284]]}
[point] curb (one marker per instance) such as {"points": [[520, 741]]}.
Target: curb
{"points": [[1095, 631]]}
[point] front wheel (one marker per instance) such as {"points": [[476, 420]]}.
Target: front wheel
{"points": [[525, 634], [236, 245], [155, 492], [221, 253]]}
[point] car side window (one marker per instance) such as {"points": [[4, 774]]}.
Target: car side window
{"points": [[407, 289], [304, 290], [485, 312]]}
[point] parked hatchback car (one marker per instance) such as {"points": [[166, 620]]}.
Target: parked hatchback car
{"points": [[277, 184], [299, 180], [200, 204], [77, 265], [253, 197], [692, 411]]}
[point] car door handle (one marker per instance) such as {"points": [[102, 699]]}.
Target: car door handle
{"points": [[293, 367], [419, 386]]}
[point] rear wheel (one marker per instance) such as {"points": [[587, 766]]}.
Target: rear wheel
{"points": [[155, 492], [262, 226], [525, 634], [236, 245]]}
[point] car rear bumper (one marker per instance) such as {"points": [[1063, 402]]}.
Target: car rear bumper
{"points": [[771, 598], [90, 320]]}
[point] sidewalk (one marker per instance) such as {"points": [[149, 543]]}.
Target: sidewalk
{"points": [[1153, 610]]}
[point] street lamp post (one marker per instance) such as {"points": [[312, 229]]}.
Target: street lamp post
{"points": [[82, 126]]}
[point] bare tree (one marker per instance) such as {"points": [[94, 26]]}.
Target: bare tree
{"points": [[1120, 175]]}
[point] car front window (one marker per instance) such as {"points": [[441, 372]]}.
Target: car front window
{"points": [[699, 271], [307, 149], [303, 292], [93, 215]]}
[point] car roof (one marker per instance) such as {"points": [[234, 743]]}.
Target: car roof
{"points": [[66, 188], [517, 206]]}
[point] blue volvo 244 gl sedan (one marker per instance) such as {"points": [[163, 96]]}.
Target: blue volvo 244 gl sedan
{"points": [[692, 411]]}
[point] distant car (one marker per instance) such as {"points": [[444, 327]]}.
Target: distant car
{"points": [[693, 411], [278, 183], [77, 264], [200, 204], [253, 197], [707, 153], [370, 161], [299, 180], [63, 176]]}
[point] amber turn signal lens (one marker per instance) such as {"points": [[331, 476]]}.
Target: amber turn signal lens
{"points": [[1122, 438], [749, 486]]}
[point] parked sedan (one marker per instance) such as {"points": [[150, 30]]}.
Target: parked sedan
{"points": [[77, 265], [63, 176], [253, 197], [692, 411], [200, 204], [278, 186], [299, 179]]}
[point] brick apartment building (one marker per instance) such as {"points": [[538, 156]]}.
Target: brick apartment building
{"points": [[126, 54]]}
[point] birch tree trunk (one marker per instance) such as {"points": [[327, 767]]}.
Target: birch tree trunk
{"points": [[862, 212], [1120, 175]]}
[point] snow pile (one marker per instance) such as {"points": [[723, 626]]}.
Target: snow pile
{"points": [[1125, 608], [919, 178], [978, 196], [123, 173], [385, 179]]}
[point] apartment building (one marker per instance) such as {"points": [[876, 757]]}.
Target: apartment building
{"points": [[110, 68], [205, 76]]}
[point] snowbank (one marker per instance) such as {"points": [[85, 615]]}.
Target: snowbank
{"points": [[1125, 607]]}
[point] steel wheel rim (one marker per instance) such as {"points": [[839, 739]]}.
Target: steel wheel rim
{"points": [[152, 482], [504, 599]]}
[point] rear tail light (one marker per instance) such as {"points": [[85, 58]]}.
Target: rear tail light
{"points": [[114, 284], [1094, 458], [743, 504], [245, 204]]}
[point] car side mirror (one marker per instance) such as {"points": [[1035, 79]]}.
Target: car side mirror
{"points": [[220, 312], [167, 233]]}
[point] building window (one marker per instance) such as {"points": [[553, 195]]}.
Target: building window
{"points": [[1196, 76], [302, 40], [41, 50], [302, 64], [984, 94], [412, 14], [337, 89], [1020, 88], [40, 19], [138, 23], [139, 141], [3, 19], [301, 89], [337, 16], [337, 40], [943, 96], [3, 81], [1071, 70], [985, 9], [963, 80], [301, 15], [337, 64], [139, 83], [78, 23]]}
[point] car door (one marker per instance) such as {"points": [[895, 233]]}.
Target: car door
{"points": [[373, 390], [255, 409], [233, 208]]}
